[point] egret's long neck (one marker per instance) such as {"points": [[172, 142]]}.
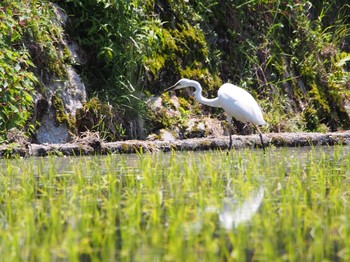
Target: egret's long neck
{"points": [[206, 101]]}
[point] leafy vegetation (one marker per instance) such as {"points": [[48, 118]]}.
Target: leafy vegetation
{"points": [[30, 41], [16, 80], [292, 55]]}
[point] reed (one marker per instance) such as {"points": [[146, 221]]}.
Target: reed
{"points": [[287, 204]]}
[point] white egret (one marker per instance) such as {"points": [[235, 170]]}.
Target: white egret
{"points": [[236, 102]]}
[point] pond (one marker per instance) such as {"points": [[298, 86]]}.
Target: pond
{"points": [[287, 204]]}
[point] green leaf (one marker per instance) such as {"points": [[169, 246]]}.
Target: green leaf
{"points": [[15, 36], [343, 61]]}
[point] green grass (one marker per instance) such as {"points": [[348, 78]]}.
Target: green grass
{"points": [[167, 206]]}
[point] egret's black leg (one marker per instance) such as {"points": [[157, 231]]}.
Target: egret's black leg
{"points": [[229, 120], [261, 138], [262, 142]]}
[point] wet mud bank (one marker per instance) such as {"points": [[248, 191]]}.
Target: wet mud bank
{"points": [[93, 146]]}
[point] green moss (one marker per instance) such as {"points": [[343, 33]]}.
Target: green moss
{"points": [[184, 103], [67, 58], [155, 64], [44, 40], [171, 42], [318, 98], [61, 116], [191, 43], [159, 119], [183, 53]]}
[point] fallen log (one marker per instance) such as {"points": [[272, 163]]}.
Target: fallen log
{"points": [[93, 146]]}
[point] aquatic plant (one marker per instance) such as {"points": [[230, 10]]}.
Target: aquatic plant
{"points": [[178, 206]]}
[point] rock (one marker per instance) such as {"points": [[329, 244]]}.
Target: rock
{"points": [[155, 103], [196, 128], [203, 127], [51, 132], [71, 92], [76, 95], [61, 16], [165, 135], [214, 127]]}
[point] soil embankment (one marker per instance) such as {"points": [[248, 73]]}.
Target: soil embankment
{"points": [[93, 146]]}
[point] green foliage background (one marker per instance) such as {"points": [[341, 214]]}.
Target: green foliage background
{"points": [[292, 55], [16, 80]]}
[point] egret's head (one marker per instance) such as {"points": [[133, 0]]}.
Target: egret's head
{"points": [[182, 83]]}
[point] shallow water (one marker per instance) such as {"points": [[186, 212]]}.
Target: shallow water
{"points": [[65, 164]]}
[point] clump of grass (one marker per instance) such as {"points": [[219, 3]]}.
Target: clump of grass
{"points": [[166, 206]]}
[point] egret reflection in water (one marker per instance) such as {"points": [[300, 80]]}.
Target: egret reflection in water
{"points": [[232, 214]]}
